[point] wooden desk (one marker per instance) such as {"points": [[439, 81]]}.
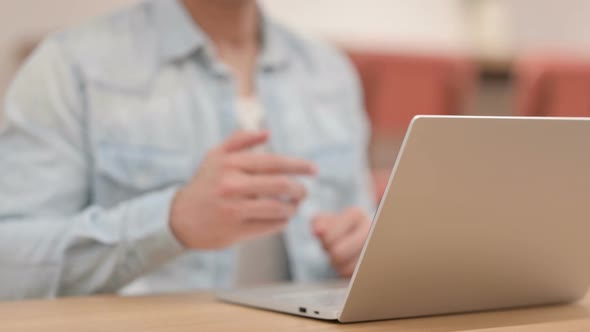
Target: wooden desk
{"points": [[201, 313]]}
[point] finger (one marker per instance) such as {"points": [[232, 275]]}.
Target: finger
{"points": [[244, 140], [267, 209], [259, 228], [321, 224], [271, 186], [257, 163], [349, 248], [281, 187], [347, 270], [344, 224], [340, 227]]}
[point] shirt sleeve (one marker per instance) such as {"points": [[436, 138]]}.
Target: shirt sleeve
{"points": [[53, 242]]}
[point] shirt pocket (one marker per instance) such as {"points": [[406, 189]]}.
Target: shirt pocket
{"points": [[129, 170], [140, 120]]}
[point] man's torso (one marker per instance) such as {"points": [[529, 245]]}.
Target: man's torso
{"points": [[154, 108]]}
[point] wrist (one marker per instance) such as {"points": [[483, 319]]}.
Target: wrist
{"points": [[175, 220]]}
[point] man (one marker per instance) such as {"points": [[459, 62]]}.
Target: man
{"points": [[178, 146]]}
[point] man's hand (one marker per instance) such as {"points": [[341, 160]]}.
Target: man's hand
{"points": [[237, 194], [343, 237]]}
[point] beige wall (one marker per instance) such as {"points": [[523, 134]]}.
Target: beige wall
{"points": [[551, 24], [488, 27], [417, 24], [361, 23], [24, 21]]}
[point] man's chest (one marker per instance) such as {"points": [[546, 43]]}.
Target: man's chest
{"points": [[154, 138]]}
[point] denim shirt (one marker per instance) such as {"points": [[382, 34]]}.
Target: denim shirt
{"points": [[106, 121]]}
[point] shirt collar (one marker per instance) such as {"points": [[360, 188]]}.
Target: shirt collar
{"points": [[179, 36]]}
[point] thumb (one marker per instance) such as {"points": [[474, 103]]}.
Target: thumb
{"points": [[244, 140], [320, 224]]}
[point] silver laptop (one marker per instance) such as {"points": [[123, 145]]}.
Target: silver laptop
{"points": [[480, 213]]}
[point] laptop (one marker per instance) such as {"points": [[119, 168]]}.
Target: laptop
{"points": [[480, 213]]}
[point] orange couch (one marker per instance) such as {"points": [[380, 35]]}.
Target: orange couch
{"points": [[553, 86], [399, 86]]}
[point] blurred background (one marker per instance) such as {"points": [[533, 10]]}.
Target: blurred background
{"points": [[483, 57]]}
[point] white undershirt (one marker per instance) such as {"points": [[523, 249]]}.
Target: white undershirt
{"points": [[263, 260]]}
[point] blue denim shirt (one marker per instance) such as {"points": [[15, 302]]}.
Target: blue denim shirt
{"points": [[104, 123]]}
